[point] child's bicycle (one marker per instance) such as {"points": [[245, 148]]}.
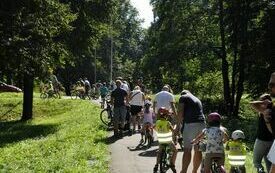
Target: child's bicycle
{"points": [[165, 158], [239, 166], [215, 167]]}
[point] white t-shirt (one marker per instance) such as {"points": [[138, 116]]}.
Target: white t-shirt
{"points": [[164, 99], [214, 137], [271, 154], [137, 98], [125, 87]]}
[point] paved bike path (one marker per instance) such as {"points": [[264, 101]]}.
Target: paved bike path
{"points": [[126, 159]]}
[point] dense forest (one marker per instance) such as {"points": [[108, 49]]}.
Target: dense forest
{"points": [[219, 50]]}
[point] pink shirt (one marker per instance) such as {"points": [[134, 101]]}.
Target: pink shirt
{"points": [[148, 117]]}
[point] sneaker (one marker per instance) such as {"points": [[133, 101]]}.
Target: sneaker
{"points": [[156, 169], [260, 170]]}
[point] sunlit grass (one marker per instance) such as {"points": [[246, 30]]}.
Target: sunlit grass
{"points": [[63, 137]]}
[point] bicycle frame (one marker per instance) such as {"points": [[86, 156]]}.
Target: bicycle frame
{"points": [[165, 157]]}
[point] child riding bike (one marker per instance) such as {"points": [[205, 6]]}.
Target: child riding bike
{"points": [[148, 116], [237, 151], [165, 132], [215, 137]]}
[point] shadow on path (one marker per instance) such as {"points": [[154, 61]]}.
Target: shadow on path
{"points": [[149, 153], [15, 131]]}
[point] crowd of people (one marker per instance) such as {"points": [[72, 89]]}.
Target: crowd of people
{"points": [[189, 122], [186, 121]]}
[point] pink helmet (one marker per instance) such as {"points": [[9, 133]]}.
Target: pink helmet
{"points": [[163, 112], [214, 117]]}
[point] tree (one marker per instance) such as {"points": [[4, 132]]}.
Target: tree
{"points": [[31, 31]]}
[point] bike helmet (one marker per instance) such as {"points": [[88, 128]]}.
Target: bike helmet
{"points": [[214, 117], [238, 134], [163, 112]]}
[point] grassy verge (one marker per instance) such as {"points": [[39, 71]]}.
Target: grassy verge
{"points": [[63, 137]]}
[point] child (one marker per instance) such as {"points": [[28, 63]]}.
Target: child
{"points": [[147, 117], [237, 150], [216, 135], [164, 132]]}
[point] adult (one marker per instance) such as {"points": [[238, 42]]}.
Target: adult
{"points": [[267, 108], [271, 124], [103, 93], [125, 86], [263, 141], [136, 99], [190, 113], [119, 99], [271, 157], [141, 85], [87, 86], [164, 99]]}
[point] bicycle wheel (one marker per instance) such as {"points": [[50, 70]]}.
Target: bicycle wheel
{"points": [[105, 118], [54, 95], [163, 161], [43, 95], [74, 94]]}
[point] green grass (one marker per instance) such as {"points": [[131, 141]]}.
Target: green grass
{"points": [[64, 136]]}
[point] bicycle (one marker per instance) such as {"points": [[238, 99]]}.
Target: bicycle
{"points": [[104, 100], [165, 159], [215, 167], [77, 92], [106, 115], [238, 165], [48, 94]]}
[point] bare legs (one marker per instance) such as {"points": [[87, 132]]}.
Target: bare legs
{"points": [[186, 159]]}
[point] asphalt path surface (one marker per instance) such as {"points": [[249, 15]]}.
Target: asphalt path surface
{"points": [[128, 157]]}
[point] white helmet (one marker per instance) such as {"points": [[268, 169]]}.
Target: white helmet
{"points": [[238, 134]]}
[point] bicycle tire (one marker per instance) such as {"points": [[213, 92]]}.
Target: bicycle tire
{"points": [[104, 117], [163, 161], [73, 94], [55, 96], [43, 95]]}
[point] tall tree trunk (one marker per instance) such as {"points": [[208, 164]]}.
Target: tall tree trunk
{"points": [[28, 97], [234, 74], [226, 85], [240, 87], [243, 57]]}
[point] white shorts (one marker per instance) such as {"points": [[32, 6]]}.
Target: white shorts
{"points": [[271, 154]]}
